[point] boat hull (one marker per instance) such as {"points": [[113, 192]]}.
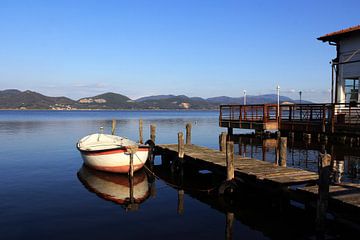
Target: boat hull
{"points": [[115, 160]]}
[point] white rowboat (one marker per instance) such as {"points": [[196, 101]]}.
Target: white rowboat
{"points": [[111, 153]]}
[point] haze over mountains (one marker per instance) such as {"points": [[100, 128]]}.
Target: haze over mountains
{"points": [[15, 99]]}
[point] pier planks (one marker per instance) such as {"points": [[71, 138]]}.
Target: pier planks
{"points": [[244, 167]]}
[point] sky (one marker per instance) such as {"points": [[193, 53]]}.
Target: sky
{"points": [[202, 48]]}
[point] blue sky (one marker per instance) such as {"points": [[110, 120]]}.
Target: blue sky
{"points": [[198, 48]]}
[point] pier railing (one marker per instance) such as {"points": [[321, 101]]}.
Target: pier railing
{"points": [[262, 116], [305, 117], [317, 118]]}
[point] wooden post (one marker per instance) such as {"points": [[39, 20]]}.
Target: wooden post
{"points": [[131, 165], [324, 138], [131, 150], [283, 151], [222, 141], [318, 137], [291, 135], [131, 191], [113, 127], [188, 133], [230, 171], [277, 152], [180, 206], [181, 151], [229, 226], [278, 134], [342, 139], [141, 140], [323, 192], [153, 132], [240, 147]]}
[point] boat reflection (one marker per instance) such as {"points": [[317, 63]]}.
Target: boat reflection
{"points": [[118, 188]]}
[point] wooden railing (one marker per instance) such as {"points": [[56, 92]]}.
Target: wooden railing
{"points": [[249, 113], [294, 117]]}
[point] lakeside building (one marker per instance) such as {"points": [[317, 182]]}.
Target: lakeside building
{"points": [[346, 65], [339, 117]]}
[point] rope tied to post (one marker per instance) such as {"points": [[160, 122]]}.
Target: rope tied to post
{"points": [[132, 149]]}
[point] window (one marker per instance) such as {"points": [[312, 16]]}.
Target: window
{"points": [[352, 90]]}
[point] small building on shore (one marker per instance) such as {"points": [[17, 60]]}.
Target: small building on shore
{"points": [[346, 66]]}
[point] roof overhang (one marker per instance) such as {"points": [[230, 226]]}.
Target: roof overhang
{"points": [[335, 37]]}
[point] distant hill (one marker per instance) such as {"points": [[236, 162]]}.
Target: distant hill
{"points": [[15, 99], [260, 99], [176, 102], [106, 101], [156, 97]]}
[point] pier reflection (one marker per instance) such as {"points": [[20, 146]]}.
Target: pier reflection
{"points": [[270, 215], [117, 188], [304, 154]]}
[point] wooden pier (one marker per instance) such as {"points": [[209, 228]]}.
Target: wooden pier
{"points": [[245, 168], [343, 199]]}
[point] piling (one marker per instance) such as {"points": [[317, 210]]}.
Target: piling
{"points": [[307, 137], [141, 140], [131, 150], [291, 135], [230, 170], [277, 152], [283, 151], [113, 127], [229, 226], [352, 141], [342, 139], [323, 191], [222, 142], [153, 132], [131, 172], [318, 136], [188, 133], [181, 151], [131, 191], [324, 138], [278, 134], [180, 206]]}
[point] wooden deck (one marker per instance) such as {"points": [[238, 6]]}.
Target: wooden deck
{"points": [[248, 168], [344, 199], [345, 194]]}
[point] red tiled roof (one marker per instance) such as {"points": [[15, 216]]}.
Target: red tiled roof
{"points": [[335, 36]]}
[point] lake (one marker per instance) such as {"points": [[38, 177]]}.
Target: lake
{"points": [[46, 193]]}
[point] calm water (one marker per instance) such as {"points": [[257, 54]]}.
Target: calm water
{"points": [[47, 194]]}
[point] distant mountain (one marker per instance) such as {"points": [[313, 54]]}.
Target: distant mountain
{"points": [[156, 97], [15, 99], [107, 101], [250, 99], [225, 100], [176, 102]]}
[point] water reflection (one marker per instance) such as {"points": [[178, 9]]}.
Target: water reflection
{"points": [[266, 215], [304, 154], [118, 188]]}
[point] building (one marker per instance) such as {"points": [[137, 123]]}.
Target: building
{"points": [[346, 65], [340, 117]]}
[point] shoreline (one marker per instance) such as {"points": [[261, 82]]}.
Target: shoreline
{"points": [[80, 110]]}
